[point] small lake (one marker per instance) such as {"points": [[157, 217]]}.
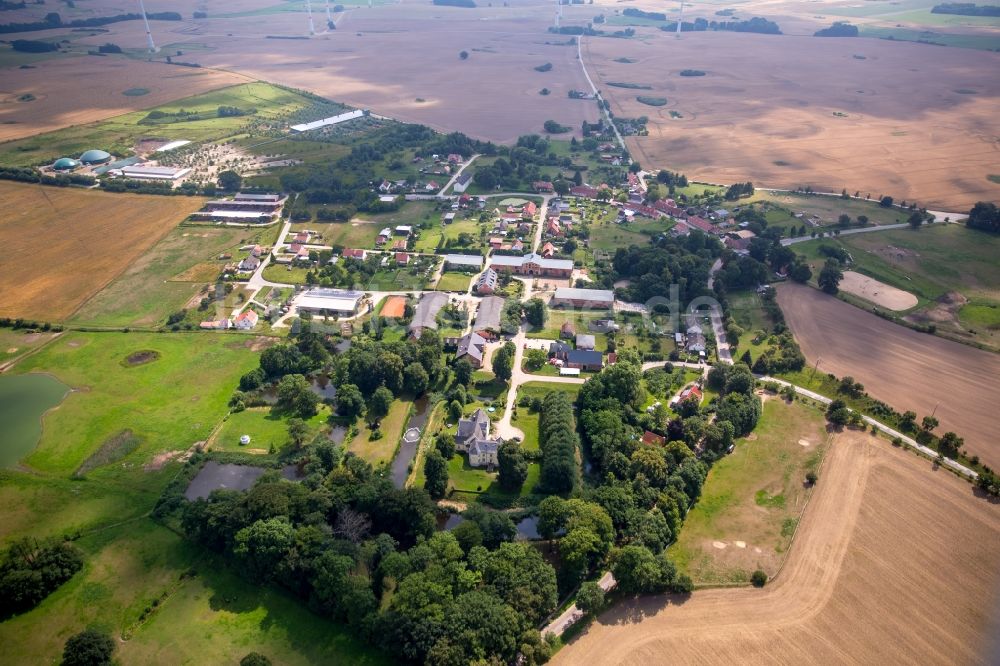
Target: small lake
{"points": [[24, 399]]}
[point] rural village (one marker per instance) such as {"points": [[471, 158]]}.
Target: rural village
{"points": [[290, 377]]}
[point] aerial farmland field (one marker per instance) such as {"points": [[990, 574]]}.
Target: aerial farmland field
{"points": [[65, 245], [856, 572]]}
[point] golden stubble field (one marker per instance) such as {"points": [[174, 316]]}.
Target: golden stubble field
{"points": [[63, 245], [913, 121], [893, 563], [904, 368], [80, 90]]}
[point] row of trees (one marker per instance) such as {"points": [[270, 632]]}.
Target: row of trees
{"points": [[558, 442]]}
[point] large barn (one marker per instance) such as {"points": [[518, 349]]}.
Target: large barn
{"points": [[603, 299]]}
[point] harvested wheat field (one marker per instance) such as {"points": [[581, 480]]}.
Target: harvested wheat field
{"points": [[879, 293], [74, 91], [865, 114], [894, 563], [63, 245], [906, 369]]}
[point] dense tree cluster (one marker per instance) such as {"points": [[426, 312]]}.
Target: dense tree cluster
{"points": [[737, 403], [966, 9], [838, 29], [985, 217], [684, 262], [360, 551], [738, 191], [31, 570]]}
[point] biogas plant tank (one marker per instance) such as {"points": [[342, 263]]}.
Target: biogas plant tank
{"points": [[95, 157]]}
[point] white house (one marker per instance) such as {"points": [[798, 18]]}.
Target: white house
{"points": [[246, 320]]}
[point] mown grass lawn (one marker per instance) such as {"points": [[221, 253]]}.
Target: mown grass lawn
{"points": [[267, 428], [377, 451], [453, 281], [753, 496]]}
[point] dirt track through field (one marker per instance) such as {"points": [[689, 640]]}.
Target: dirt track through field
{"points": [[904, 368], [893, 563]]}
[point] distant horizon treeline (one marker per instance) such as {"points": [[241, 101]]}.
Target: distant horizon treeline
{"points": [[53, 20], [966, 9]]}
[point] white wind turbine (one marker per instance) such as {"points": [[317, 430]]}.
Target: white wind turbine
{"points": [[312, 26], [680, 20], [149, 34]]}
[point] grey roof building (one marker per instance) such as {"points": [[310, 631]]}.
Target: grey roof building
{"points": [[584, 341], [488, 317], [477, 426], [581, 358], [596, 298], [471, 345], [427, 309], [463, 260]]}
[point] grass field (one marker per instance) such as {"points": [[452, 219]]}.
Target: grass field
{"points": [[168, 276], [780, 209], [14, 342], [169, 403], [378, 451], [79, 241], [453, 281], [212, 615], [753, 497], [119, 135], [266, 427], [579, 318]]}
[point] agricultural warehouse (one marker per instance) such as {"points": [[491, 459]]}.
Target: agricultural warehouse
{"points": [[427, 309], [488, 317], [327, 302], [533, 264], [583, 298], [463, 261], [142, 172], [326, 122]]}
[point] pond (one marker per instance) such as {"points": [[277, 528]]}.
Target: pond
{"points": [[323, 387], [24, 399], [338, 433], [527, 527], [215, 476], [408, 445]]}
